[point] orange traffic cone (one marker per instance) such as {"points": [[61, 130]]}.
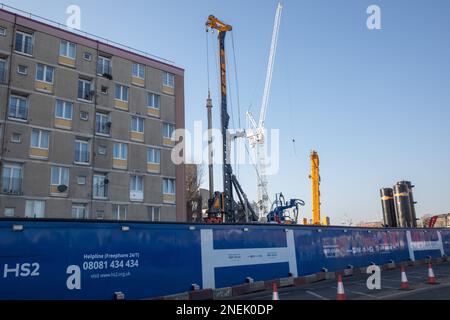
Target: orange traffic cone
{"points": [[275, 292], [340, 289], [404, 285], [431, 277]]}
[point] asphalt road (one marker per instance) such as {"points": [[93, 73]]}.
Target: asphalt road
{"points": [[356, 288]]}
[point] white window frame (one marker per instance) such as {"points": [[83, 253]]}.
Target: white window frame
{"points": [[89, 54], [154, 100], [40, 140], [81, 180], [103, 151], [7, 211], [3, 31], [33, 209], [84, 118], [136, 194], [65, 106], [44, 73], [169, 80], [84, 84], [22, 73], [117, 212], [64, 46], [103, 116], [80, 207], [12, 167], [168, 129], [155, 154], [121, 149], [17, 106], [82, 142], [120, 92], [103, 60], [139, 68], [96, 186], [153, 213], [169, 186], [5, 69], [63, 174], [24, 35], [139, 128], [13, 140]]}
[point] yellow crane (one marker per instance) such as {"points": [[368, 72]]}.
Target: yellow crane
{"points": [[315, 179]]}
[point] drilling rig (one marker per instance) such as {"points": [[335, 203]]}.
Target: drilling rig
{"points": [[222, 207]]}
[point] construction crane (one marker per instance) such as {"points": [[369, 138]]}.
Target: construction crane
{"points": [[255, 131], [222, 207], [315, 179]]}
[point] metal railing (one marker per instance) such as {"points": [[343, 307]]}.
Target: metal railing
{"points": [[62, 26]]}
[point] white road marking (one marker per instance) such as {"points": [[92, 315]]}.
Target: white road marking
{"points": [[316, 295]]}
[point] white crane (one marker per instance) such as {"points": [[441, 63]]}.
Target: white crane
{"points": [[256, 131]]}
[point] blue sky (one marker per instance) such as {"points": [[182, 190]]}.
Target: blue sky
{"points": [[373, 103]]}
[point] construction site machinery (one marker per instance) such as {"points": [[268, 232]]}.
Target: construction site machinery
{"points": [[315, 180], [256, 130], [279, 212], [223, 207]]}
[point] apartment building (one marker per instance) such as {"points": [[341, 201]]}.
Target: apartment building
{"points": [[86, 127]]}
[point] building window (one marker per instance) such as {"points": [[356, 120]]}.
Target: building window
{"points": [[18, 108], [9, 212], [169, 186], [63, 110], [84, 90], [3, 31], [67, 49], [39, 139], [16, 137], [168, 130], [137, 124], [120, 211], [121, 93], [12, 179], [81, 180], [44, 73], [154, 100], [104, 66], [84, 115], [104, 90], [82, 153], [100, 214], [34, 209], [137, 188], [79, 211], [23, 70], [154, 214], [168, 80], [24, 43], [59, 176], [138, 71], [87, 56], [2, 70], [153, 156], [120, 151], [100, 186], [102, 123], [102, 150]]}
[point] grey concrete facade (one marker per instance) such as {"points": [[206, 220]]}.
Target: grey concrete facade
{"points": [[26, 170]]}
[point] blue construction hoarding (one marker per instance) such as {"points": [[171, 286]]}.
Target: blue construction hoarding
{"points": [[93, 260]]}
